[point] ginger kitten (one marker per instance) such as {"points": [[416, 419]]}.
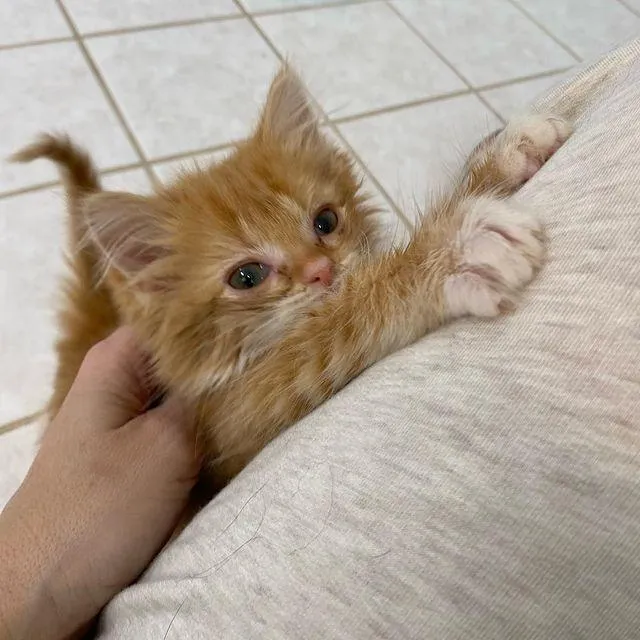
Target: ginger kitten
{"points": [[252, 283]]}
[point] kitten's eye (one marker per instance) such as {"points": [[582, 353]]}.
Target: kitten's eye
{"points": [[325, 222], [249, 275]]}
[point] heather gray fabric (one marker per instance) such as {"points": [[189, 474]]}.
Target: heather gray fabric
{"points": [[482, 484]]}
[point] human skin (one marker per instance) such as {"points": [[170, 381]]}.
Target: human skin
{"points": [[105, 491]]}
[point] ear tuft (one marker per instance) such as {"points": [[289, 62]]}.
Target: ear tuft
{"points": [[125, 227], [288, 111]]}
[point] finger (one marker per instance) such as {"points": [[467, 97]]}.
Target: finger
{"points": [[173, 413], [173, 423], [113, 383], [122, 353]]}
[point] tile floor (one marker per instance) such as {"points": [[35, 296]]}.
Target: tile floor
{"points": [[407, 85]]}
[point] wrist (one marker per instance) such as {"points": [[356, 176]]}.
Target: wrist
{"points": [[37, 595]]}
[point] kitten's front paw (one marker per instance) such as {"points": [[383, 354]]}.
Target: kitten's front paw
{"points": [[498, 250], [524, 145]]}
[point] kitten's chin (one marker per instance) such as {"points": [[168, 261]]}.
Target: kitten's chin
{"points": [[341, 272], [316, 294]]}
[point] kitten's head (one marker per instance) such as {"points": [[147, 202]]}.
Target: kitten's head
{"points": [[218, 265]]}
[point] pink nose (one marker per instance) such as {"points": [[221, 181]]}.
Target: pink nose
{"points": [[318, 271]]}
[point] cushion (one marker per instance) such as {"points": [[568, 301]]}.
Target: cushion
{"points": [[483, 483]]}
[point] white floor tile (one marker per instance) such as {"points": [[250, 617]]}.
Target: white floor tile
{"points": [[133, 180], [49, 87], [17, 450], [632, 4], [33, 20], [510, 100], [393, 231], [186, 88], [413, 152], [489, 41], [167, 171], [359, 58], [589, 27], [267, 5], [97, 15], [31, 263]]}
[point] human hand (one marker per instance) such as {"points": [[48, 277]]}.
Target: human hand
{"points": [[104, 493]]}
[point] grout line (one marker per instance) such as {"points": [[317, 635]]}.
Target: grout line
{"points": [[377, 184], [161, 25], [107, 93], [215, 18], [124, 167], [489, 107], [186, 155], [546, 31], [521, 79], [85, 35], [54, 183], [325, 4], [398, 107], [330, 124], [121, 167], [626, 5], [444, 60], [35, 43], [309, 7], [447, 96], [29, 189]]}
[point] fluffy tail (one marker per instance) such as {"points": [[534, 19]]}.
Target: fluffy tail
{"points": [[80, 179], [78, 172]]}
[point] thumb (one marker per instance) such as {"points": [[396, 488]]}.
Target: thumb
{"points": [[113, 383], [171, 427]]}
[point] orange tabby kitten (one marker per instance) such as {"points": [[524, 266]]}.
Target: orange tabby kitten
{"points": [[252, 284]]}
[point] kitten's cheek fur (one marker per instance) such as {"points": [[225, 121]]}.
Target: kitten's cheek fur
{"points": [[499, 248]]}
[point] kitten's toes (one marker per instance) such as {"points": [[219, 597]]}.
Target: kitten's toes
{"points": [[525, 144], [499, 249]]}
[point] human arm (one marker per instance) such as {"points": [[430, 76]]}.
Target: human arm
{"points": [[101, 498]]}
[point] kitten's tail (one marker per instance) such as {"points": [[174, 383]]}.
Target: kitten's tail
{"points": [[77, 170], [80, 177]]}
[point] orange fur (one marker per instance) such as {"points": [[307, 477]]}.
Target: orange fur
{"points": [[253, 362]]}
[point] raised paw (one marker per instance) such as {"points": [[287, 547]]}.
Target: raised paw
{"points": [[498, 249], [513, 155], [526, 143]]}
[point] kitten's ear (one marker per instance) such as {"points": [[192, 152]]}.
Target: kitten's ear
{"points": [[125, 227], [288, 113]]}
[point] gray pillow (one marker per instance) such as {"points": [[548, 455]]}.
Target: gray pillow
{"points": [[483, 483]]}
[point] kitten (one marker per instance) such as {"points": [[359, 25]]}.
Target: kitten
{"points": [[252, 283]]}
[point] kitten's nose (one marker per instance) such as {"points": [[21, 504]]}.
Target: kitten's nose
{"points": [[318, 270]]}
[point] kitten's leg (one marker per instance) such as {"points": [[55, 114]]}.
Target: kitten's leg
{"points": [[500, 244]]}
